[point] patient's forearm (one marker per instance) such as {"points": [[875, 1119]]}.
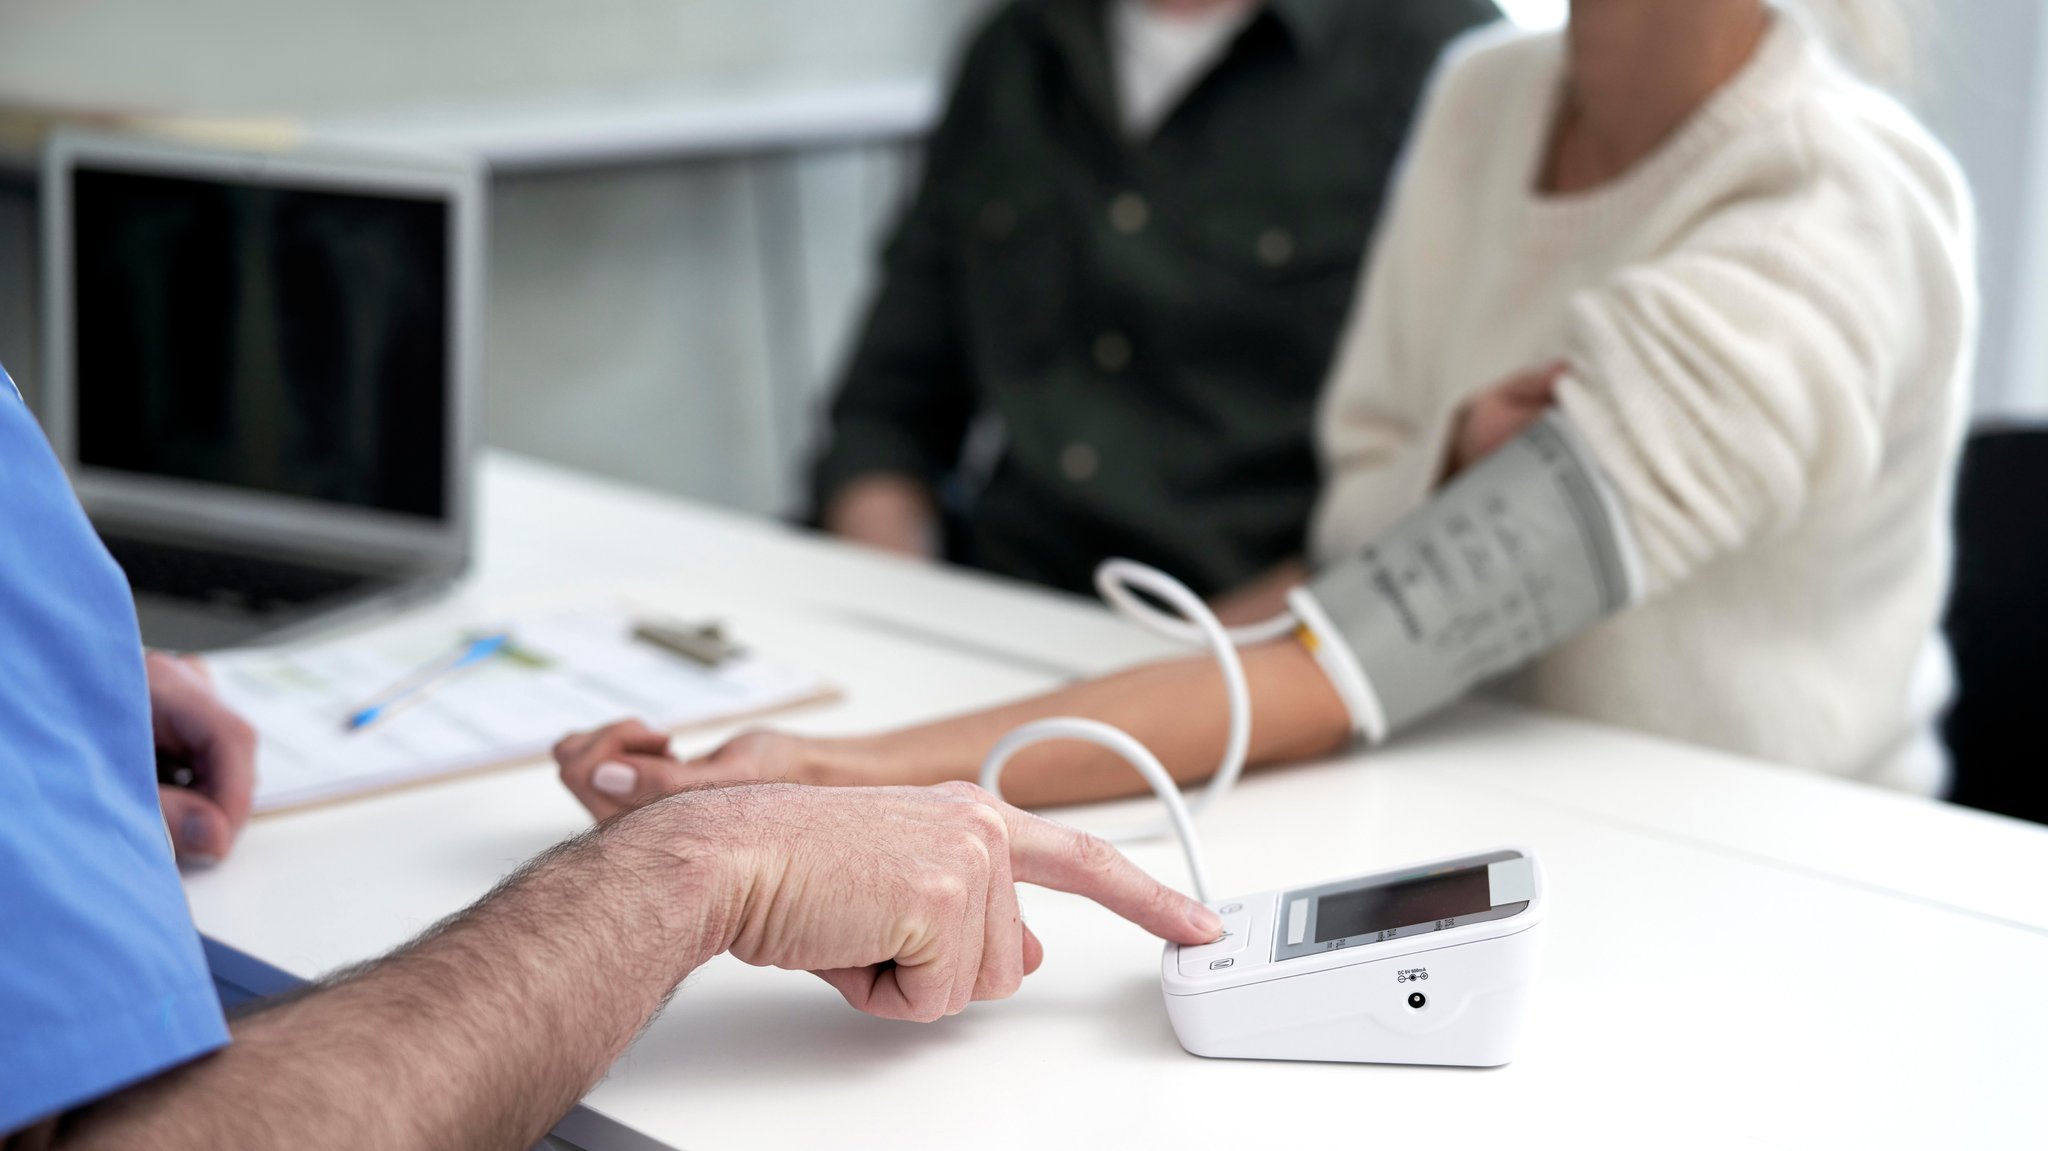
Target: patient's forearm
{"points": [[1175, 708], [481, 1035]]}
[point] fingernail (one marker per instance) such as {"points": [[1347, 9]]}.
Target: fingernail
{"points": [[615, 779], [192, 862], [195, 836], [1205, 922]]}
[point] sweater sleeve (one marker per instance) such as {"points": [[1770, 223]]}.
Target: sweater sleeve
{"points": [[1734, 383], [1381, 426], [1375, 432]]}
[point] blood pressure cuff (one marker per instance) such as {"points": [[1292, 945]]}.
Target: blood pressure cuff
{"points": [[1522, 551]]}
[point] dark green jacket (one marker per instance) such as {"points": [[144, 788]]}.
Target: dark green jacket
{"points": [[1136, 331]]}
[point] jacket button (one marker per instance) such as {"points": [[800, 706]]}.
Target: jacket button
{"points": [[1079, 462], [1129, 213], [1276, 247], [1112, 351]]}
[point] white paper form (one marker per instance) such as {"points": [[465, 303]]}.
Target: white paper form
{"points": [[585, 670]]}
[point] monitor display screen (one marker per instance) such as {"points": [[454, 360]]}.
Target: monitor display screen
{"points": [[1369, 910], [286, 341]]}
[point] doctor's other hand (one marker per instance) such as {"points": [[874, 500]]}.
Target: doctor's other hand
{"points": [[627, 765], [192, 724], [1494, 417], [903, 899]]}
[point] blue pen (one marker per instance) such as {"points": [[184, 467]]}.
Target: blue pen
{"points": [[416, 686]]}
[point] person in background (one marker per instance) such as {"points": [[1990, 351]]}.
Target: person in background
{"points": [[485, 1030], [1103, 321], [1742, 276]]}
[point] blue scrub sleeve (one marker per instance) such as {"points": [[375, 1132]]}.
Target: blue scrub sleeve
{"points": [[102, 980]]}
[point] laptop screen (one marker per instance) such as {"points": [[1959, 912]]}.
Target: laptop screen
{"points": [[284, 341]]}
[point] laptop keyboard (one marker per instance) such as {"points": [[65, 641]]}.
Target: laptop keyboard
{"points": [[243, 581]]}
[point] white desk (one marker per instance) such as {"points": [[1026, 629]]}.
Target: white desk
{"points": [[1737, 954]]}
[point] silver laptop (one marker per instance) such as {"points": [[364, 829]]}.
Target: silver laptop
{"points": [[260, 371]]}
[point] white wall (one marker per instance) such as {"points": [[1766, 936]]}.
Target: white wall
{"points": [[1536, 13], [676, 324], [1984, 91], [323, 59]]}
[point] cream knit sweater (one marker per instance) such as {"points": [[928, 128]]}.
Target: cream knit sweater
{"points": [[1769, 325]]}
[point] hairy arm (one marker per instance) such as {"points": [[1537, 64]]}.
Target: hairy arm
{"points": [[490, 1027], [479, 1035]]}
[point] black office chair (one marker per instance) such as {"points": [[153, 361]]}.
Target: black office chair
{"points": [[1998, 625]]}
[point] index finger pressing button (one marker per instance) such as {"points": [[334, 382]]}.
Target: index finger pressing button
{"points": [[1236, 929], [1050, 855]]}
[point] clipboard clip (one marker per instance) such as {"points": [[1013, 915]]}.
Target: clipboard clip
{"points": [[702, 644]]}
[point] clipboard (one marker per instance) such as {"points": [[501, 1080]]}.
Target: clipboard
{"points": [[561, 672]]}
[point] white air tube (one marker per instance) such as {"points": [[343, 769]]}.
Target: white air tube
{"points": [[1119, 581]]}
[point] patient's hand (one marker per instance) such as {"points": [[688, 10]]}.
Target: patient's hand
{"points": [[1489, 420], [893, 513], [629, 765]]}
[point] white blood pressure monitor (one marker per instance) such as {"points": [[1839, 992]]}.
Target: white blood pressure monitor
{"points": [[1426, 964]]}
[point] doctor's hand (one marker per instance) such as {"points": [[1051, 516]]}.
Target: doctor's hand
{"points": [[1494, 417], [192, 724], [903, 899]]}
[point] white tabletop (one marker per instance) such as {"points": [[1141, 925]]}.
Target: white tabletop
{"points": [[1737, 954]]}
